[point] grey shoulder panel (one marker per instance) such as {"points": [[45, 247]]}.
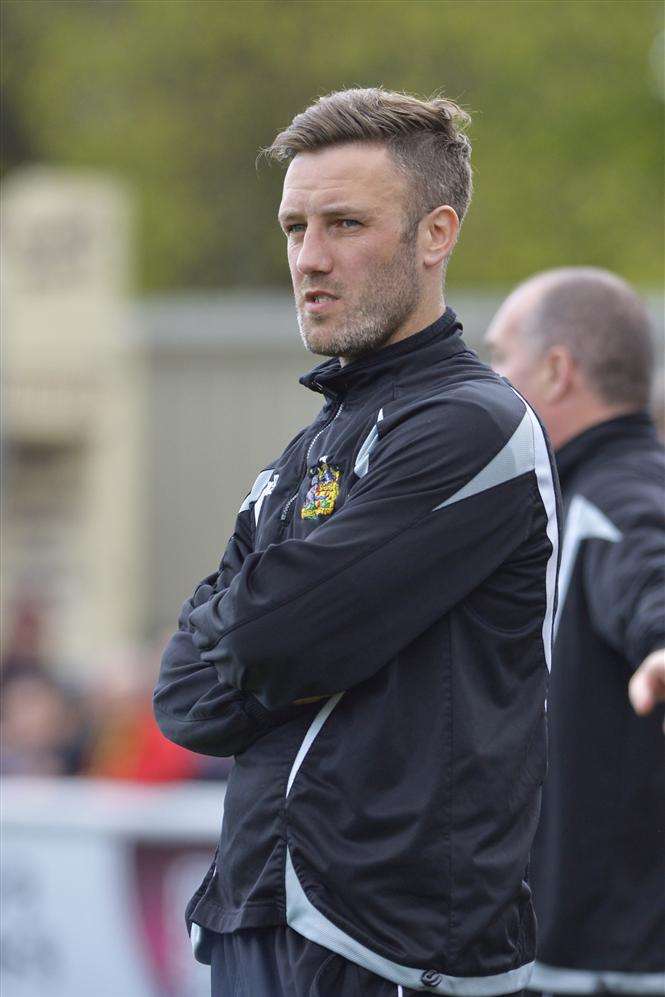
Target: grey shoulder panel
{"points": [[585, 521], [361, 466], [261, 481], [515, 458]]}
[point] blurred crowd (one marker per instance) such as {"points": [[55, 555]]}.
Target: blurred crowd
{"points": [[54, 727]]}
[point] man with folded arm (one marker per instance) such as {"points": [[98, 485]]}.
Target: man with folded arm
{"points": [[374, 647]]}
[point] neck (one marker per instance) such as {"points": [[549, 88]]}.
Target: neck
{"points": [[578, 422], [425, 313], [420, 319]]}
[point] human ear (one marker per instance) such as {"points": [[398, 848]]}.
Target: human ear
{"points": [[439, 234], [557, 373]]}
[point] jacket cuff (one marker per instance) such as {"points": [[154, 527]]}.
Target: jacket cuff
{"points": [[263, 717]]}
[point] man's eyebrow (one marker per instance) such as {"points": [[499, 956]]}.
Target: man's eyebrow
{"points": [[288, 216], [342, 209], [330, 210]]}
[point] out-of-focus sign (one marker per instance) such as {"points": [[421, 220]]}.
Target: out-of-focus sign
{"points": [[94, 879]]}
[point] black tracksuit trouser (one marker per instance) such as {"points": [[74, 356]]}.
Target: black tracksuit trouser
{"points": [[278, 962]]}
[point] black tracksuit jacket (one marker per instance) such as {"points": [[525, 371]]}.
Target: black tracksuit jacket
{"points": [[399, 561], [598, 868]]}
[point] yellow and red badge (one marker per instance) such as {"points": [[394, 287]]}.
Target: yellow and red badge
{"points": [[323, 491]]}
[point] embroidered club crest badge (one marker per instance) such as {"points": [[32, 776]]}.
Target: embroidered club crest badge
{"points": [[323, 491]]}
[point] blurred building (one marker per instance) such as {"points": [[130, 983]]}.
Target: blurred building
{"points": [[73, 416], [133, 432]]}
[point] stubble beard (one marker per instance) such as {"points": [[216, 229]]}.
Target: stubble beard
{"points": [[389, 296]]}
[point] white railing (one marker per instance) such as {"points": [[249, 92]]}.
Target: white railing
{"points": [[94, 880]]}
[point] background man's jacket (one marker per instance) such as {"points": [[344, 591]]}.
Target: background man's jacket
{"points": [[399, 560], [598, 867]]}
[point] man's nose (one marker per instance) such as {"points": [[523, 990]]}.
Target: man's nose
{"points": [[314, 255]]}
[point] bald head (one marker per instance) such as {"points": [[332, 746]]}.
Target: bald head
{"points": [[577, 343], [599, 318]]}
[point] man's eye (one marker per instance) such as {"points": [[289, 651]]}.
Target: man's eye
{"points": [[349, 223], [295, 228]]}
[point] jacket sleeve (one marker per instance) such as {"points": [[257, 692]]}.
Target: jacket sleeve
{"points": [[624, 577], [193, 705], [443, 495]]}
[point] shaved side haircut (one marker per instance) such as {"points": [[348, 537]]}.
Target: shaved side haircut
{"points": [[604, 324], [426, 138]]}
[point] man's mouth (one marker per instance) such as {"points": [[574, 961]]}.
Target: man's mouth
{"points": [[319, 296], [318, 301]]}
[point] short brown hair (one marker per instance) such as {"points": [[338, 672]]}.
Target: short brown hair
{"points": [[426, 138]]}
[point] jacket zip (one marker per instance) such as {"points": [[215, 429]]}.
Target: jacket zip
{"points": [[287, 507], [322, 430], [285, 510]]}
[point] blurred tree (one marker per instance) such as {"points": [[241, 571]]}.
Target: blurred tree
{"points": [[179, 95]]}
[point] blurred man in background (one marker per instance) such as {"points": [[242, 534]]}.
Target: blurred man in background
{"points": [[397, 562], [44, 730], [577, 343]]}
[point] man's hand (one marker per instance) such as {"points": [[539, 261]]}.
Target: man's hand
{"points": [[203, 591], [647, 686]]}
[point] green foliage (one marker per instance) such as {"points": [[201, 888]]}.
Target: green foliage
{"points": [[177, 96]]}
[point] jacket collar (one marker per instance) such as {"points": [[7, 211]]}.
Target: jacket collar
{"points": [[581, 448], [439, 340]]}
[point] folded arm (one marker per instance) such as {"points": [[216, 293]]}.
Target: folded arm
{"points": [[446, 496], [193, 706]]}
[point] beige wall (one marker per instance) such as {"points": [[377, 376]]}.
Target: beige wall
{"points": [[217, 418]]}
